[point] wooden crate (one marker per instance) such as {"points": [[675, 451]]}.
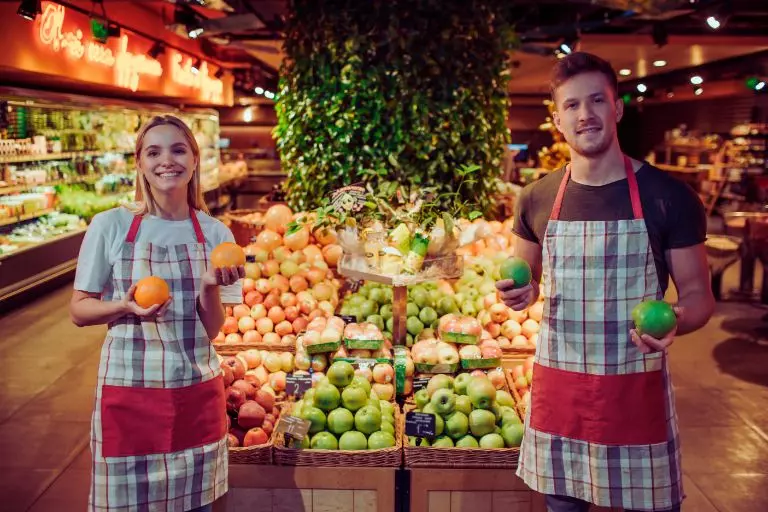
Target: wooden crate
{"points": [[476, 490], [308, 489]]}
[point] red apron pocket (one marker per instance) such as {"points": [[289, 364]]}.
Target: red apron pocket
{"points": [[141, 421], [624, 409]]}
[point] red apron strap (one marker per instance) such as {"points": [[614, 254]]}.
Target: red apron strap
{"points": [[134, 229], [634, 190], [555, 215], [196, 224]]}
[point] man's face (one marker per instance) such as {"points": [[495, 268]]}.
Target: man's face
{"points": [[587, 112]]}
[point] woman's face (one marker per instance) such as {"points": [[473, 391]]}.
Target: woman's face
{"points": [[166, 159]]}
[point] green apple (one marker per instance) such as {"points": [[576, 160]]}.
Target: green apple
{"points": [[421, 397], [443, 401], [443, 442], [386, 312], [428, 316], [327, 397], [340, 374], [496, 410], [368, 420], [309, 395], [305, 442], [340, 420], [418, 441], [387, 427], [463, 404], [420, 297], [324, 441], [414, 325], [353, 440], [492, 441], [461, 382], [381, 439], [512, 434], [376, 320], [482, 392], [353, 398], [411, 309], [504, 398], [456, 425], [508, 415], [387, 408], [376, 295], [439, 381], [481, 422], [439, 423], [315, 416], [362, 383], [467, 442]]}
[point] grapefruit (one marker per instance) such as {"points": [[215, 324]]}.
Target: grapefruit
{"points": [[516, 269], [655, 318], [150, 291]]}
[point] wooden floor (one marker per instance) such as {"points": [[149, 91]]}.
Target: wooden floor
{"points": [[48, 374]]}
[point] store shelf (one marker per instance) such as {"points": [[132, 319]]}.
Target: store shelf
{"points": [[11, 189], [29, 216], [56, 156], [33, 246], [677, 168]]}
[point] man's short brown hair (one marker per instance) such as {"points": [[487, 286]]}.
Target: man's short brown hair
{"points": [[577, 63]]}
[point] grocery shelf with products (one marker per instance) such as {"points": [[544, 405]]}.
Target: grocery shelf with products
{"points": [[65, 158]]}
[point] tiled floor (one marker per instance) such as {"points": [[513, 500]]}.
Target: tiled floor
{"points": [[48, 373]]}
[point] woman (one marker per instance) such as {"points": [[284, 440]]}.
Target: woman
{"points": [[158, 435]]}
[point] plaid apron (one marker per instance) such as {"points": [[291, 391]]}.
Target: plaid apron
{"points": [[602, 425], [158, 433]]}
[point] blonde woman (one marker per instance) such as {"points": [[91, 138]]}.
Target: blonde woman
{"points": [[158, 435]]}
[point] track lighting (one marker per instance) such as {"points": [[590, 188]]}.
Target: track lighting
{"points": [[29, 9]]}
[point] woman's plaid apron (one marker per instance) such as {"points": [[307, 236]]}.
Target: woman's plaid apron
{"points": [[602, 425], [158, 435]]}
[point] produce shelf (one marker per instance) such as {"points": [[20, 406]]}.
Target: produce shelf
{"points": [[17, 159], [20, 188], [28, 216]]}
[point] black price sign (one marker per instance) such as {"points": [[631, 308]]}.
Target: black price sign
{"points": [[420, 424], [420, 383], [297, 384], [348, 319], [293, 427]]}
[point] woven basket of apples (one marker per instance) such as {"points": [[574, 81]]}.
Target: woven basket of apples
{"points": [[289, 282], [254, 383], [476, 424]]}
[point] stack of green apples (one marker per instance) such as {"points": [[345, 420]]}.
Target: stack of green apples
{"points": [[345, 413], [469, 413]]}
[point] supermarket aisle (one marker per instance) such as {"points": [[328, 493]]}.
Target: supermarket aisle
{"points": [[49, 373]]}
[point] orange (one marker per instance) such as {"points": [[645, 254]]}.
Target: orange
{"points": [[150, 291], [228, 254]]}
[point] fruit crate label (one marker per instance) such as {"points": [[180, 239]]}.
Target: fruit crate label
{"points": [[437, 368], [457, 337], [363, 344], [363, 362], [293, 427], [420, 424], [317, 348], [298, 384], [348, 319], [420, 383], [472, 364]]}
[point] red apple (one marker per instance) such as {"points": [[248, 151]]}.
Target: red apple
{"points": [[238, 366], [255, 437], [238, 434], [246, 387], [232, 441], [268, 427], [251, 415], [228, 374], [235, 399], [265, 399]]}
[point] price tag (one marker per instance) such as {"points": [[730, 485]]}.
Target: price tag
{"points": [[293, 427], [348, 319], [250, 258], [298, 384], [420, 383], [420, 424]]}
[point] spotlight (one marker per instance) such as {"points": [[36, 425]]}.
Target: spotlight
{"points": [[660, 35], [196, 66], [248, 115], [259, 90], [697, 80], [269, 94], [196, 32], [698, 91], [642, 87], [625, 72], [713, 22], [29, 9], [156, 50], [659, 63], [760, 85]]}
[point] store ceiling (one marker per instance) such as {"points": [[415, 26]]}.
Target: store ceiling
{"points": [[675, 31]]}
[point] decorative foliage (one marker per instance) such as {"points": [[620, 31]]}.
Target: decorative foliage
{"points": [[394, 94]]}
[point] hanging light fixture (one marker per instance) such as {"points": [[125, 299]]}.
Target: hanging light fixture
{"points": [[29, 9]]}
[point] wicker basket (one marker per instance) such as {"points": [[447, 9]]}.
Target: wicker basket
{"points": [[243, 231], [384, 458], [513, 391], [457, 458], [231, 349], [261, 454]]}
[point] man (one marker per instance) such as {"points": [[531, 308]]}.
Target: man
{"points": [[606, 233]]}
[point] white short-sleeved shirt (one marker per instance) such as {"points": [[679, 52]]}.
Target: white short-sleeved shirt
{"points": [[106, 234]]}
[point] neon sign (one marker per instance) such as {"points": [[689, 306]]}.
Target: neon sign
{"points": [[128, 67]]}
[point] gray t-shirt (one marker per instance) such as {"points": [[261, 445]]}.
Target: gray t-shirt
{"points": [[106, 234]]}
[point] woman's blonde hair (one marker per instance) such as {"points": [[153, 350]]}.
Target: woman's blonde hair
{"points": [[144, 202]]}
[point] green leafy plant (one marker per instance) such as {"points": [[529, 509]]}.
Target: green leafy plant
{"points": [[396, 95]]}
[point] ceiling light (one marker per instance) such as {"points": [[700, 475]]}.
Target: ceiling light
{"points": [[713, 23], [248, 115], [196, 66], [698, 91], [625, 72], [760, 86], [642, 87], [659, 63], [670, 93], [194, 33], [640, 99], [697, 80], [29, 9], [269, 94], [258, 90]]}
